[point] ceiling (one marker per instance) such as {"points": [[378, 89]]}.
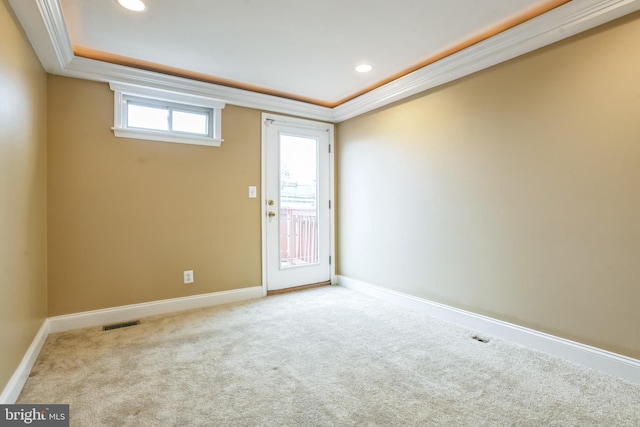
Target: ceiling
{"points": [[298, 57], [304, 50]]}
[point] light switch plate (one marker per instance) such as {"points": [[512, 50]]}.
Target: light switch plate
{"points": [[253, 192]]}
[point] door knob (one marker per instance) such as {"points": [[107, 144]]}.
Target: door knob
{"points": [[271, 214]]}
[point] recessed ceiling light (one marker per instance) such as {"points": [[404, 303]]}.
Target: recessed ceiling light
{"points": [[135, 5], [364, 68]]}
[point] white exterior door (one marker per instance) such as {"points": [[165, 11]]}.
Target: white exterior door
{"points": [[297, 202]]}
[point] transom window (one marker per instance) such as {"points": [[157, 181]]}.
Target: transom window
{"points": [[158, 115], [149, 114]]}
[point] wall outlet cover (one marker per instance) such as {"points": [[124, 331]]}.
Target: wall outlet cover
{"points": [[188, 276]]}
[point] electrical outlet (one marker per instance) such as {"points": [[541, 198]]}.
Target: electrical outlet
{"points": [[188, 276]]}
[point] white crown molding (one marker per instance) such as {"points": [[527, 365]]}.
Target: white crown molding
{"points": [[51, 12], [44, 25], [610, 363], [101, 71]]}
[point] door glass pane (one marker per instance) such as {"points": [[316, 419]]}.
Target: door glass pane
{"points": [[298, 201]]}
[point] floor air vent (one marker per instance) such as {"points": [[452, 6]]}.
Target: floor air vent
{"points": [[479, 338], [121, 325]]}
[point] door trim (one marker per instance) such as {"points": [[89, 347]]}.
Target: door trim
{"points": [[308, 124]]}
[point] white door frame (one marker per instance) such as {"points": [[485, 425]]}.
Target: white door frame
{"points": [[263, 187]]}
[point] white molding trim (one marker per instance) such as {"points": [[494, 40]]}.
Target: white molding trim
{"points": [[263, 199], [44, 24], [166, 95], [134, 311], [90, 69], [13, 388], [51, 12], [610, 363]]}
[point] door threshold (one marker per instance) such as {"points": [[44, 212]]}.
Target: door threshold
{"points": [[298, 288]]}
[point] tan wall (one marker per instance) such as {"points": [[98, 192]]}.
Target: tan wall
{"points": [[127, 216], [23, 287], [512, 193]]}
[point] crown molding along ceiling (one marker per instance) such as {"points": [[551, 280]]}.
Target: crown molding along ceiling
{"points": [[43, 22]]}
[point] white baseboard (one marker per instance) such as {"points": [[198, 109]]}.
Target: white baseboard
{"points": [[13, 388], [592, 357], [123, 313]]}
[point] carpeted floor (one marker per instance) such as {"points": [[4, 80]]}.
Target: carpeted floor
{"points": [[323, 357]]}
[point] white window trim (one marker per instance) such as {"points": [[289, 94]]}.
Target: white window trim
{"points": [[120, 129]]}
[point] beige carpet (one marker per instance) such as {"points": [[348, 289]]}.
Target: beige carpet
{"points": [[322, 357]]}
